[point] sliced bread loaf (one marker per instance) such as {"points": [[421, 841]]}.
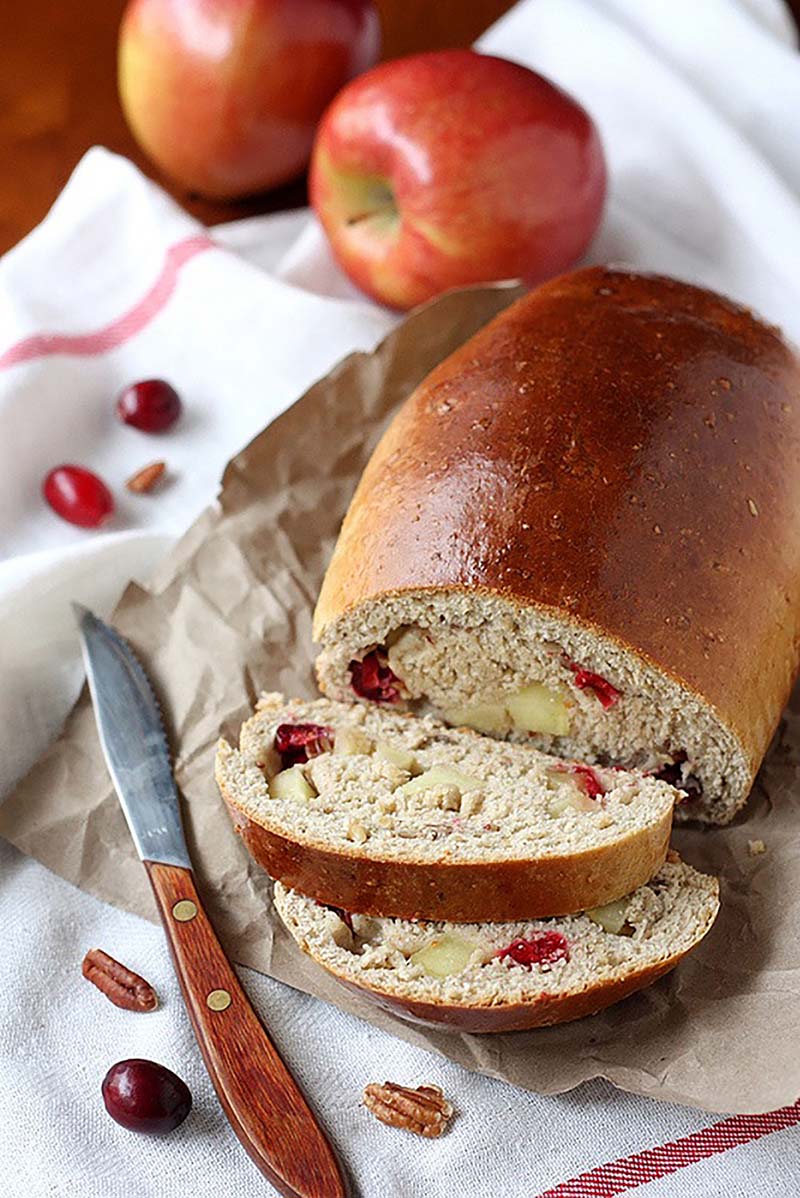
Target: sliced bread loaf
{"points": [[584, 527], [390, 814], [496, 977]]}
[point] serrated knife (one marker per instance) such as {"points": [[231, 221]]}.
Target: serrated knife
{"points": [[258, 1094]]}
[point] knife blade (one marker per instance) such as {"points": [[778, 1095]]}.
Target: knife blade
{"points": [[134, 742], [260, 1097]]}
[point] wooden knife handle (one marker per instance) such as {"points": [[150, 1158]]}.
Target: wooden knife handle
{"points": [[258, 1094]]}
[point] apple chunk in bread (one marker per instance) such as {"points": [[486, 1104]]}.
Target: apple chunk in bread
{"points": [[397, 755], [612, 916], [483, 717], [538, 708], [441, 775], [444, 957], [291, 784], [569, 798], [352, 742]]}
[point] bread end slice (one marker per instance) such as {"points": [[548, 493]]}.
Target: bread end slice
{"points": [[583, 967]]}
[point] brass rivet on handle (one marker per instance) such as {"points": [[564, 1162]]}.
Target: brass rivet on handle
{"points": [[184, 910], [218, 1000]]}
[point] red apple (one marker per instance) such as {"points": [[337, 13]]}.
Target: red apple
{"points": [[453, 167], [225, 95]]}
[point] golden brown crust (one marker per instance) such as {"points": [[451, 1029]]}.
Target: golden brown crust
{"points": [[618, 448], [515, 1017], [501, 891]]}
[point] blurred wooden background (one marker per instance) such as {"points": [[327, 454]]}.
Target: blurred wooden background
{"points": [[58, 94]]}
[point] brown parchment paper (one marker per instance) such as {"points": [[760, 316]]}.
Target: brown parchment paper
{"points": [[229, 614]]}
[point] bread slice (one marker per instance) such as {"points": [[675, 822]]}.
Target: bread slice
{"points": [[596, 496], [395, 815], [500, 977]]}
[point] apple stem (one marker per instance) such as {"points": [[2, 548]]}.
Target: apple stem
{"points": [[384, 208]]}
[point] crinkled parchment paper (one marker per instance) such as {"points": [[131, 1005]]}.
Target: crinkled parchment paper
{"points": [[229, 614]]}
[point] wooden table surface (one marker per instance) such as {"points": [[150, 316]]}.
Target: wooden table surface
{"points": [[58, 95]]}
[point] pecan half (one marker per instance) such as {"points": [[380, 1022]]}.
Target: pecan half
{"points": [[119, 984], [425, 1111], [146, 478]]}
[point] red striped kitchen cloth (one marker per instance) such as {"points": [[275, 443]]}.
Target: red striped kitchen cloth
{"points": [[620, 1176]]}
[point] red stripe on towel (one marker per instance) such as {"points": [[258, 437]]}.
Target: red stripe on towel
{"points": [[41, 345], [631, 1171]]}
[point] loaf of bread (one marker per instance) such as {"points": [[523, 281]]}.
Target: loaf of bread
{"points": [[583, 530], [497, 977], [386, 813]]}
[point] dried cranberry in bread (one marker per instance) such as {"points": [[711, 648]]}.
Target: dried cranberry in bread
{"points": [[500, 977], [584, 529], [390, 814]]}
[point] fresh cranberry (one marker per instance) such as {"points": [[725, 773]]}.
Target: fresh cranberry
{"points": [[297, 742], [373, 679], [589, 780], [538, 950], [151, 405], [144, 1096], [77, 495], [673, 774], [585, 680]]}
